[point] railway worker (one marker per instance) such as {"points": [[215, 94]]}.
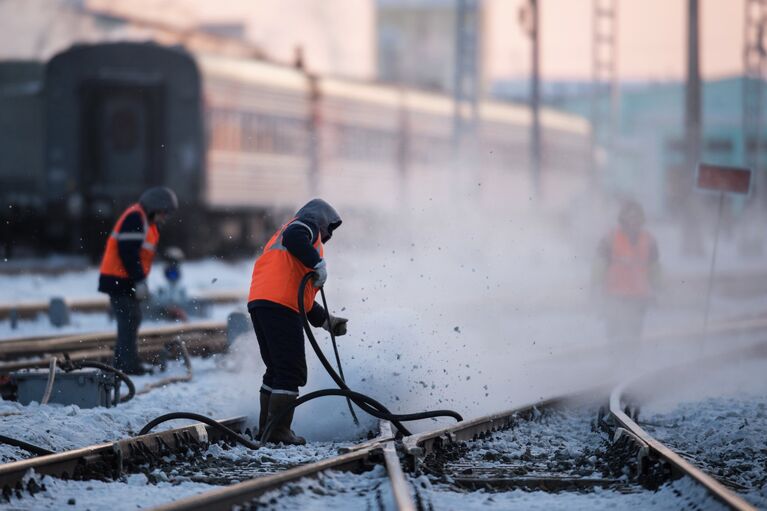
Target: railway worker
{"points": [[293, 251], [125, 266], [628, 273]]}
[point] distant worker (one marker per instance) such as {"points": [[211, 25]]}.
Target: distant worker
{"points": [[295, 250], [628, 272], [125, 266]]}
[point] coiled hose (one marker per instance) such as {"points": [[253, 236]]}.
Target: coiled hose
{"points": [[71, 365]]}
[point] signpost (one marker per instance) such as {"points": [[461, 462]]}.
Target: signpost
{"points": [[721, 179]]}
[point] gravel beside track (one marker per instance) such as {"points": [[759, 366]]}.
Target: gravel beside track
{"points": [[724, 436], [558, 459]]}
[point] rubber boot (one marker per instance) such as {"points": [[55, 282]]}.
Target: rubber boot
{"points": [[281, 431], [263, 413]]}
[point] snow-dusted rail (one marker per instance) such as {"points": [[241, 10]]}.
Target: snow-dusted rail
{"points": [[382, 450], [679, 466], [655, 450], [360, 458], [201, 338], [110, 459], [99, 304], [420, 444]]}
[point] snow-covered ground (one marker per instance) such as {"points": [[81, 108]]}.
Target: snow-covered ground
{"points": [[131, 492], [214, 392], [719, 422], [681, 494], [559, 441]]}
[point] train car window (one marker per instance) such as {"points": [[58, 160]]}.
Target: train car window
{"points": [[123, 129]]}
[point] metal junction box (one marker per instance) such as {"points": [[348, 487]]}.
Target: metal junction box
{"points": [[86, 388]]}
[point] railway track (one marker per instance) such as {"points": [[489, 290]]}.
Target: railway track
{"points": [[109, 459], [32, 309], [201, 339], [715, 471], [561, 449], [568, 449]]}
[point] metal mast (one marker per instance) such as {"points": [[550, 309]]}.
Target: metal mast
{"points": [[604, 88], [535, 98], [753, 74], [466, 75]]}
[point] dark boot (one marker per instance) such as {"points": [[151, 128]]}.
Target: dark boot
{"points": [[264, 412], [281, 431]]}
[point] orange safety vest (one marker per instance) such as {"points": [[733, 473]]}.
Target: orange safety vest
{"points": [[628, 273], [277, 274], [111, 264]]}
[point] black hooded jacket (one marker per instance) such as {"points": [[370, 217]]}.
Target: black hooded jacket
{"points": [[316, 218]]}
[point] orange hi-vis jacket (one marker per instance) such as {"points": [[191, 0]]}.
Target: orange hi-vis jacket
{"points": [[277, 274], [628, 271], [111, 264]]}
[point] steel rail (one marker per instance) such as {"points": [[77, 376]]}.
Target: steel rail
{"points": [[657, 449], [356, 459], [403, 500], [33, 308], [678, 464], [112, 456], [421, 443], [204, 338]]}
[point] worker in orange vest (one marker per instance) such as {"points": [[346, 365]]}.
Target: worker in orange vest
{"points": [[293, 251], [126, 263], [628, 273]]}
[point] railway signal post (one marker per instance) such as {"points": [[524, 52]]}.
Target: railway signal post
{"points": [[723, 180]]}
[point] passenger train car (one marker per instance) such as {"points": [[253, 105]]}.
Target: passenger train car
{"points": [[244, 142]]}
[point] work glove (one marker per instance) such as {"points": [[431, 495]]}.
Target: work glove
{"points": [[322, 274], [141, 290], [335, 325]]}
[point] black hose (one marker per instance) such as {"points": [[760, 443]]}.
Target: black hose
{"points": [[395, 419], [382, 411], [70, 365], [40, 451], [200, 418], [338, 357]]}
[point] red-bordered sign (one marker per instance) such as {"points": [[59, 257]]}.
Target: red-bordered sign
{"points": [[724, 179]]}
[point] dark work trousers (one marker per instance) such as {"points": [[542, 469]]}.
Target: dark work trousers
{"points": [[281, 340], [127, 312]]}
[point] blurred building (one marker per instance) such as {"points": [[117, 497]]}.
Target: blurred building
{"points": [[416, 42], [649, 159]]}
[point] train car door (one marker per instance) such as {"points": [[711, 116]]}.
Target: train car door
{"points": [[122, 144]]}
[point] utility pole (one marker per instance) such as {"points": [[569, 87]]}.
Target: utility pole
{"points": [[692, 237], [692, 118], [604, 83], [466, 72], [754, 61], [529, 18], [535, 100]]}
